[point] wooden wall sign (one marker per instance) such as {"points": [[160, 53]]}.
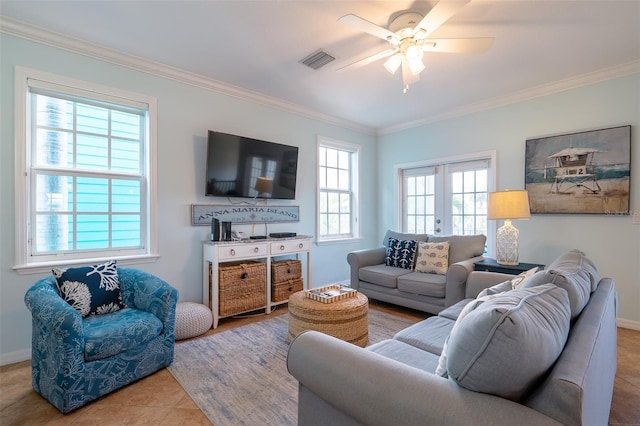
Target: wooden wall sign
{"points": [[202, 214]]}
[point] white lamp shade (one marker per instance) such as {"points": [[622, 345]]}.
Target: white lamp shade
{"points": [[264, 185], [393, 63], [509, 205]]}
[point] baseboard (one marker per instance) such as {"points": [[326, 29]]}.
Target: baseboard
{"points": [[633, 325], [13, 357]]}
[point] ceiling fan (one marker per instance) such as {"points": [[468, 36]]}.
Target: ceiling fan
{"points": [[408, 35]]}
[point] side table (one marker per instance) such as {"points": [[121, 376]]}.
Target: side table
{"points": [[491, 265]]}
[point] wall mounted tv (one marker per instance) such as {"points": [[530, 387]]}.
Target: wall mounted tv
{"points": [[243, 167]]}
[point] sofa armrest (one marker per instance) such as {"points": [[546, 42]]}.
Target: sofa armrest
{"points": [[374, 390], [360, 258], [457, 275], [479, 280]]}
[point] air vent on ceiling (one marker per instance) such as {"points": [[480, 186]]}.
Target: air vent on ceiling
{"points": [[318, 59]]}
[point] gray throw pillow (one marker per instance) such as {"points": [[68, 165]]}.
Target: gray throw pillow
{"points": [[507, 344], [575, 273]]}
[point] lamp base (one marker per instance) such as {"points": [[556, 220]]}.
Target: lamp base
{"points": [[507, 244]]}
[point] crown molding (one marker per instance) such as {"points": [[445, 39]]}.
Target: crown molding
{"points": [[61, 41], [50, 38], [622, 70]]}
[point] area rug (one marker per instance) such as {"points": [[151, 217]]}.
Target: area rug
{"points": [[239, 376]]}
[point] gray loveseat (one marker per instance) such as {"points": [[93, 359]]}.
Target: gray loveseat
{"points": [[541, 354], [428, 292]]}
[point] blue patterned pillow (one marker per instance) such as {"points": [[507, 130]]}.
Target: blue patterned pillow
{"points": [[400, 253], [91, 290]]}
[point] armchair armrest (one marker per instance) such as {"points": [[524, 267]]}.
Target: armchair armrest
{"points": [[374, 390], [53, 315], [146, 292], [366, 257]]}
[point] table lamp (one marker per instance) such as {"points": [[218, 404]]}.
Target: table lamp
{"points": [[508, 205], [264, 186]]}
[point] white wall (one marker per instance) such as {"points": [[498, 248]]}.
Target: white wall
{"points": [[613, 242], [185, 113]]}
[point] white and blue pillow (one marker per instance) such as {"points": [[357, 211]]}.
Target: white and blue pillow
{"points": [[400, 253], [91, 290]]}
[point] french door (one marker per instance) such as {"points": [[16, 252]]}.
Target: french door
{"points": [[447, 198]]}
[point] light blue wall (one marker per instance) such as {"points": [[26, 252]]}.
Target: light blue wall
{"points": [[611, 241], [185, 113]]}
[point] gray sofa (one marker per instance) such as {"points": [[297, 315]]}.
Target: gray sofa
{"points": [[426, 292], [541, 354]]}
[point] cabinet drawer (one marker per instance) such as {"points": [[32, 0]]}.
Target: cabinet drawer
{"points": [[241, 251], [289, 246]]}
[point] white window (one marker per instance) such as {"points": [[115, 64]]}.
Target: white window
{"points": [[447, 196], [86, 170], [337, 190]]}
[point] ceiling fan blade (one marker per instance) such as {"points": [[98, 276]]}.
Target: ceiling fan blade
{"points": [[368, 27], [457, 45], [370, 59], [437, 16]]}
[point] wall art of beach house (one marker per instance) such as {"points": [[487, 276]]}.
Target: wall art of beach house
{"points": [[585, 172]]}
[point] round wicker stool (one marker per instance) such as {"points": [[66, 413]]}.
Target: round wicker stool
{"points": [[192, 319], [346, 319]]}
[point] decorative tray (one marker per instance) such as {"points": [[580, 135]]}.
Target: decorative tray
{"points": [[330, 293]]}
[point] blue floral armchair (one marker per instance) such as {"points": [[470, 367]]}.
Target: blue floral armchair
{"points": [[76, 360]]}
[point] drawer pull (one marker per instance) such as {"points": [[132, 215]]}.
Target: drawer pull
{"points": [[257, 249], [281, 247], [233, 252], [300, 245]]}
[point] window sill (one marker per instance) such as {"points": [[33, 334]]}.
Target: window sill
{"points": [[345, 240], [45, 267]]}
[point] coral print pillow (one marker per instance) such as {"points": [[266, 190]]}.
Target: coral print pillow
{"points": [[400, 253], [91, 290]]}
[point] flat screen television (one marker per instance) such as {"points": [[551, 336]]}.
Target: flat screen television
{"points": [[244, 167]]}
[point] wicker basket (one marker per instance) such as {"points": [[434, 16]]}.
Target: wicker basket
{"points": [[241, 287], [281, 291], [285, 270]]}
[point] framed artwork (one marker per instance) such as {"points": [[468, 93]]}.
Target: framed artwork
{"points": [[585, 172]]}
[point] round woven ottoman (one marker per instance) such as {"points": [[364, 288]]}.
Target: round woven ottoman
{"points": [[346, 319], [192, 319]]}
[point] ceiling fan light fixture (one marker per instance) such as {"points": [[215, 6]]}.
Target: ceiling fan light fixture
{"points": [[393, 63], [416, 66], [414, 52]]}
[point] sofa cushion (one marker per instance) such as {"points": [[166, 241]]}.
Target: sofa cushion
{"points": [[400, 253], [453, 311], [406, 354], [110, 334], [433, 258], [428, 335], [402, 236], [512, 284], [383, 275], [575, 273], [91, 290], [423, 284], [507, 344], [462, 247]]}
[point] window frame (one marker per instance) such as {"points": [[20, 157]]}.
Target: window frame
{"points": [[24, 199], [354, 150]]}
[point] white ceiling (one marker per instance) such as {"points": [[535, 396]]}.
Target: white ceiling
{"points": [[256, 46]]}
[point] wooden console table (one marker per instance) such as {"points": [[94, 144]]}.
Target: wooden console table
{"points": [[216, 252]]}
